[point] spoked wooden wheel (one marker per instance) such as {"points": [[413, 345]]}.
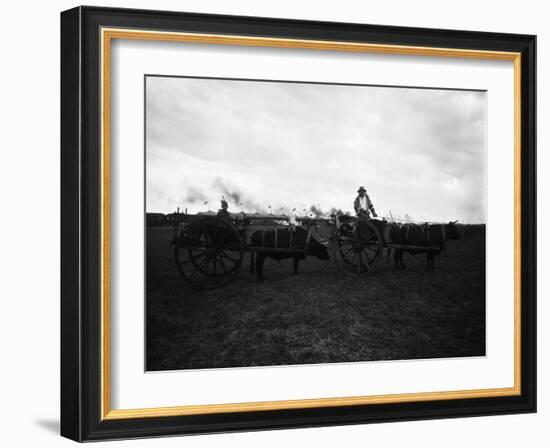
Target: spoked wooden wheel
{"points": [[209, 252], [358, 247]]}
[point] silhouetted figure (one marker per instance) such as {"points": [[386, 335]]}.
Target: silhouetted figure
{"points": [[222, 212]]}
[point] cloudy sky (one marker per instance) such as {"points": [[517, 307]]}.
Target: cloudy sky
{"points": [[419, 152]]}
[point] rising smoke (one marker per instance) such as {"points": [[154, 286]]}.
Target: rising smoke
{"points": [[236, 197], [194, 196], [316, 211], [239, 201]]}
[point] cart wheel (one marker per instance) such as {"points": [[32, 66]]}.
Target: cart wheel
{"points": [[209, 252], [357, 252]]}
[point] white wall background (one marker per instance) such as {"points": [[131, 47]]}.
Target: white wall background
{"points": [[29, 228]]}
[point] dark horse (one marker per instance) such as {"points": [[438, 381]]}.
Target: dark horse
{"points": [[429, 239], [280, 244]]}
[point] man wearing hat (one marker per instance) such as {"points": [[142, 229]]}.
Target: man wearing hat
{"points": [[363, 205]]}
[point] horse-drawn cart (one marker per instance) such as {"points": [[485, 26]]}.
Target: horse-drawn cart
{"points": [[209, 250]]}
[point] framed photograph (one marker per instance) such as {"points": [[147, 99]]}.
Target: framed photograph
{"points": [[273, 223]]}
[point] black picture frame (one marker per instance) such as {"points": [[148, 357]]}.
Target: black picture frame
{"points": [[81, 381]]}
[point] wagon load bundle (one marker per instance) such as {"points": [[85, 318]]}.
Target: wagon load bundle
{"points": [[426, 238]]}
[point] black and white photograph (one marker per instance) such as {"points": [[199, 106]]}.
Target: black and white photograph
{"points": [[292, 223], [292, 220]]}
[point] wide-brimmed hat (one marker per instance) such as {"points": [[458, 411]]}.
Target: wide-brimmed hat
{"points": [[361, 189]]}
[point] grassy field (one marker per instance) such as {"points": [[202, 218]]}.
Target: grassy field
{"points": [[320, 316]]}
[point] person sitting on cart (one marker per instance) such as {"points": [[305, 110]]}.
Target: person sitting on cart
{"points": [[363, 207], [222, 212]]}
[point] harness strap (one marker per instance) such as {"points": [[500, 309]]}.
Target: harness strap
{"points": [[308, 238], [427, 227], [290, 240]]}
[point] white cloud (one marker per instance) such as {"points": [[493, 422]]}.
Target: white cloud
{"points": [[418, 151]]}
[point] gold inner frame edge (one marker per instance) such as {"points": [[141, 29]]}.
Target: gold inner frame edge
{"points": [[107, 35]]}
